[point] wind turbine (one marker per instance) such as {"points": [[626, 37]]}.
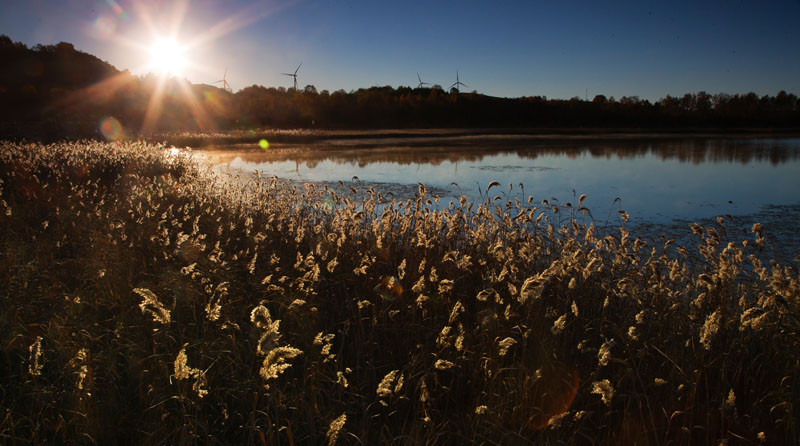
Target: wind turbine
{"points": [[294, 75], [420, 82], [225, 85], [458, 84]]}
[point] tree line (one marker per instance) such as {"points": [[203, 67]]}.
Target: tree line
{"points": [[58, 89]]}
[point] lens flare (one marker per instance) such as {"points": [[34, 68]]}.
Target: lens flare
{"points": [[103, 27], [111, 128], [264, 144], [212, 101], [121, 13], [554, 395], [389, 288]]}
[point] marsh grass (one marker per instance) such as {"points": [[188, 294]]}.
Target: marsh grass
{"points": [[145, 301]]}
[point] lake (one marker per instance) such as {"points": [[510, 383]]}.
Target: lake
{"points": [[663, 181]]}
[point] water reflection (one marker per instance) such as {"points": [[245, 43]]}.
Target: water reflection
{"points": [[435, 151], [655, 180]]}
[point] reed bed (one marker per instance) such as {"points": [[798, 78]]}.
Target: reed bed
{"points": [[145, 301]]}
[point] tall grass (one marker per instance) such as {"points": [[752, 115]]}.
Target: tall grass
{"points": [[145, 301]]}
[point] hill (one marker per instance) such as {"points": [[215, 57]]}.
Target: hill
{"points": [[56, 91]]}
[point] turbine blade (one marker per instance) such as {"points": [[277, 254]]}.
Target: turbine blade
{"points": [[298, 68]]}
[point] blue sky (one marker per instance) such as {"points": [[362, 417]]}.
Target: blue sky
{"points": [[558, 49]]}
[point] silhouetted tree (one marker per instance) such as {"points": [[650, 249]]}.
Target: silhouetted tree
{"points": [[60, 85]]}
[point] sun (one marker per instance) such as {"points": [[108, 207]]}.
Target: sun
{"points": [[167, 56]]}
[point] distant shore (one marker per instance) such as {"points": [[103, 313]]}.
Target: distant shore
{"points": [[53, 132], [232, 137]]}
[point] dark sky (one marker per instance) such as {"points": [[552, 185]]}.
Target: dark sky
{"points": [[558, 49]]}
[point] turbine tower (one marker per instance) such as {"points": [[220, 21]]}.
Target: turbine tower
{"points": [[225, 85], [420, 82], [458, 84], [294, 75]]}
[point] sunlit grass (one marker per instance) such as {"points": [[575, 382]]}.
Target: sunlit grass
{"points": [[146, 301]]}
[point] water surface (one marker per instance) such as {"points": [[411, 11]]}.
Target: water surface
{"points": [[658, 181]]}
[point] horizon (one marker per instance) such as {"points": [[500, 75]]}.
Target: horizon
{"points": [[556, 51]]}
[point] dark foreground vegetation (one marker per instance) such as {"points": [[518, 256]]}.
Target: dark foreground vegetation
{"points": [[50, 92], [146, 303]]}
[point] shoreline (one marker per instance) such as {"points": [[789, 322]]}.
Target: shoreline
{"points": [[73, 131], [777, 219], [533, 134]]}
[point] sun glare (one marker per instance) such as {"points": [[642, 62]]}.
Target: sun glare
{"points": [[167, 57]]}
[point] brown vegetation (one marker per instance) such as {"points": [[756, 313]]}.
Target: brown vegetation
{"points": [[146, 302]]}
